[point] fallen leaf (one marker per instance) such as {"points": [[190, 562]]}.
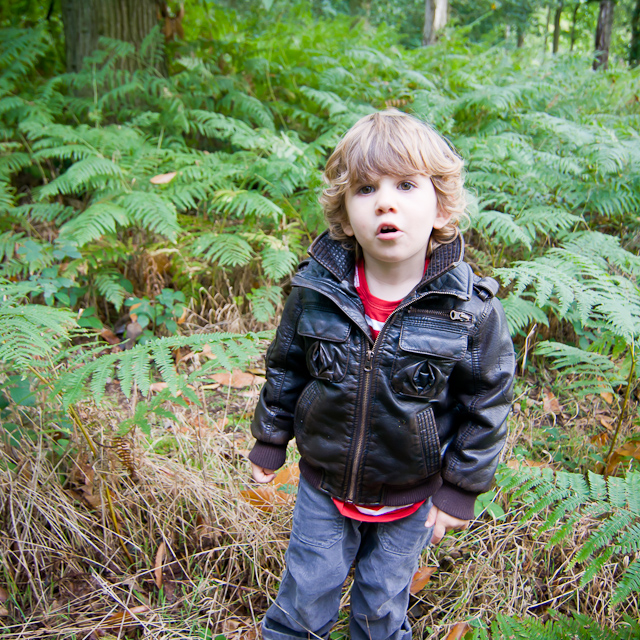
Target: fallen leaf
{"points": [[161, 554], [607, 396], [266, 498], [630, 449], [237, 379], [109, 336], [163, 178], [4, 595], [157, 387], [607, 423], [125, 618], [421, 577], [183, 318], [599, 439], [289, 475], [550, 403], [515, 463], [458, 631], [4, 612]]}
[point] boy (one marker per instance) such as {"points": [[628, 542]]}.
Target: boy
{"points": [[392, 367]]}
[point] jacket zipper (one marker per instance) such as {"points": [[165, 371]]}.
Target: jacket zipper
{"points": [[368, 368]]}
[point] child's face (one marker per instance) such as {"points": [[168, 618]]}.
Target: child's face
{"points": [[392, 218]]}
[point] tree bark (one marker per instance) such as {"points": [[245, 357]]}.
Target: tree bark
{"points": [[574, 21], [546, 32], [556, 27], [85, 21], [520, 41], [603, 34], [634, 48], [435, 18]]}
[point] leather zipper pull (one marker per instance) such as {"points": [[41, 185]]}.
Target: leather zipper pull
{"points": [[368, 360], [461, 316]]}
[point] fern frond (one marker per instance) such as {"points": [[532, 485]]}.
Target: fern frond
{"points": [[225, 248], [152, 212], [99, 219], [107, 282], [264, 301], [629, 583], [521, 313], [246, 203]]}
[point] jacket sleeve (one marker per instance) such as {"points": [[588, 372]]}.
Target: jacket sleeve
{"points": [[482, 387], [287, 375]]}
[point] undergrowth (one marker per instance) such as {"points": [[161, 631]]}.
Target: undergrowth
{"points": [[149, 228]]}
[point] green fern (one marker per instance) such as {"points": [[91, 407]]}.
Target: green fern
{"points": [[613, 503]]}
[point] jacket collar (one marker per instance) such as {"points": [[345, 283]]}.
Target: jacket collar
{"points": [[340, 261]]}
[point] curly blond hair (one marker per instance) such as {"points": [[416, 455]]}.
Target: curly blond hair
{"points": [[394, 143]]}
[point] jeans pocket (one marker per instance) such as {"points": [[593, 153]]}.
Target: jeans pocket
{"points": [[407, 536], [316, 519]]}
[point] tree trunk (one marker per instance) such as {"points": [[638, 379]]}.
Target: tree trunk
{"points": [[546, 32], [634, 48], [85, 21], [520, 42], [556, 27], [574, 20], [603, 34], [435, 18]]}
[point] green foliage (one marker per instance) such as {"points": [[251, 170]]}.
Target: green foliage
{"points": [[612, 506], [577, 627]]}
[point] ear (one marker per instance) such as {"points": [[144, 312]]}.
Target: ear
{"points": [[348, 229], [442, 218]]}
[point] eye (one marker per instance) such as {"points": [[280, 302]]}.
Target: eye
{"points": [[405, 186], [366, 190]]}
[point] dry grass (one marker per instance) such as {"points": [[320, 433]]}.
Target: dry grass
{"points": [[206, 562]]}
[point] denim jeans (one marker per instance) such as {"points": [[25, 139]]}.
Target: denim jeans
{"points": [[322, 549]]}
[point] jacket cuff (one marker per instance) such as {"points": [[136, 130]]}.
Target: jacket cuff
{"points": [[268, 456], [455, 501]]}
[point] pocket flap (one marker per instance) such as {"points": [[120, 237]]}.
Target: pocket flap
{"points": [[433, 342], [324, 325]]}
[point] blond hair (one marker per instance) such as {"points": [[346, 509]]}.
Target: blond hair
{"points": [[394, 143]]}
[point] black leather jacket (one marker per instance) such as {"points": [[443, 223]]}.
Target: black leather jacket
{"points": [[421, 412]]}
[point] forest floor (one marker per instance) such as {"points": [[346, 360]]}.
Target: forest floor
{"points": [[165, 536]]}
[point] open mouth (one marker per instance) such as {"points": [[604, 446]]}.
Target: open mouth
{"points": [[387, 228]]}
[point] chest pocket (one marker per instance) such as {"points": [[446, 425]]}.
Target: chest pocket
{"points": [[326, 336], [425, 358]]}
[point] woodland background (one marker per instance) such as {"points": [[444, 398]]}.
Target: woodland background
{"points": [[159, 174]]}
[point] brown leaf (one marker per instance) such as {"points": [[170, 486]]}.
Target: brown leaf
{"points": [[163, 178], [237, 379], [458, 631], [550, 403], [161, 554], [288, 475], [607, 423], [607, 396], [630, 449], [157, 387], [4, 612], [421, 577], [185, 314], [125, 618], [514, 463], [599, 439], [109, 336], [266, 497], [4, 595]]}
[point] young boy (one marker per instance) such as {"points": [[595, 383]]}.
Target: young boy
{"points": [[392, 367]]}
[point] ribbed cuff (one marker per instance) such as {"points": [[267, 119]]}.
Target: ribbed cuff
{"points": [[455, 501], [268, 456]]}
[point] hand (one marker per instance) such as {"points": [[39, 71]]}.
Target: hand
{"points": [[443, 522], [262, 475]]}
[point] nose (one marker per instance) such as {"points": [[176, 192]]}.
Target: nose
{"points": [[386, 198]]}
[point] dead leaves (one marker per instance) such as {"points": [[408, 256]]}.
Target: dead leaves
{"points": [[163, 178], [238, 379], [458, 631], [420, 578], [550, 403], [161, 554], [630, 449], [277, 493]]}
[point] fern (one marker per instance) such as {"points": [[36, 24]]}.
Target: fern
{"points": [[226, 249], [617, 527]]}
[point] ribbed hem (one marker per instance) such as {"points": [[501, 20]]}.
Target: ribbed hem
{"points": [[455, 501], [391, 496], [268, 456]]}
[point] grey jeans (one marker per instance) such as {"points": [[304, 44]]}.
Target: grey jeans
{"points": [[323, 546]]}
